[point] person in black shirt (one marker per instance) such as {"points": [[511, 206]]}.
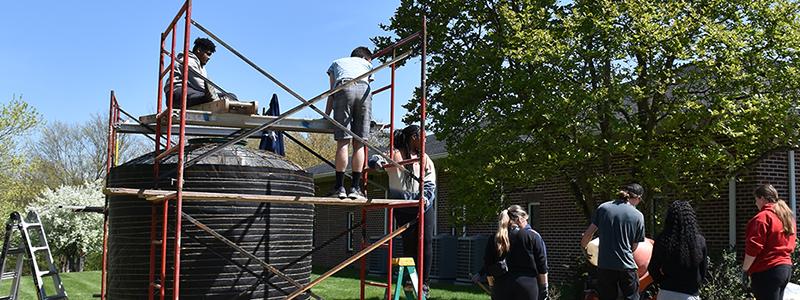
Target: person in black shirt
{"points": [[679, 261], [525, 256]]}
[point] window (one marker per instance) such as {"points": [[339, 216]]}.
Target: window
{"points": [[351, 220], [534, 215]]}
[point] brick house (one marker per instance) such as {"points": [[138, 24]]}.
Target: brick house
{"points": [[553, 213]]}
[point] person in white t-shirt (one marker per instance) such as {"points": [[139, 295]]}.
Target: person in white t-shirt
{"points": [[352, 107]]}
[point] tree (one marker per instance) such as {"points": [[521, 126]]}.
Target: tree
{"points": [[325, 146], [678, 95], [71, 154], [17, 121], [319, 142], [72, 236]]}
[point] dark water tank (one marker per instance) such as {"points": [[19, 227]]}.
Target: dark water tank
{"points": [[277, 233]]}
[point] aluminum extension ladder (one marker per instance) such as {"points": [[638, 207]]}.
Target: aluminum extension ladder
{"points": [[32, 243]]}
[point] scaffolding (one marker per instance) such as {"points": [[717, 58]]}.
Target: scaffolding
{"points": [[169, 122]]}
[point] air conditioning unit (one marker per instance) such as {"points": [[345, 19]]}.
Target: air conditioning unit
{"points": [[444, 263], [470, 256], [376, 260]]}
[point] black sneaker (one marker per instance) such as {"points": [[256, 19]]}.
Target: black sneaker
{"points": [[426, 291], [356, 194], [340, 193]]}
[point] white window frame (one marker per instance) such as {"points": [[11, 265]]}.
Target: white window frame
{"points": [[350, 219]]}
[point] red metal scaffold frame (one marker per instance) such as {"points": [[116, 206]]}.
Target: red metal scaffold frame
{"points": [[157, 282]]}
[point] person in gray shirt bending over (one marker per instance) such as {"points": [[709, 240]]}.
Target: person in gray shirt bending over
{"points": [[352, 107], [621, 229]]}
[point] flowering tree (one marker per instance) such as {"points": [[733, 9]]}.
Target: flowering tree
{"points": [[72, 236]]}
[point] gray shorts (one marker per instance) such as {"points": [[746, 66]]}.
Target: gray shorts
{"points": [[352, 107]]}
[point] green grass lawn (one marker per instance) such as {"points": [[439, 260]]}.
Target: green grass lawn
{"points": [[80, 285], [341, 286], [344, 285]]}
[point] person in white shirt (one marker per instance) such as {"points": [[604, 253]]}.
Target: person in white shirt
{"points": [[352, 107]]}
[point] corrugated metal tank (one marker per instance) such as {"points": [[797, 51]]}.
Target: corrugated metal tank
{"points": [[277, 233]]}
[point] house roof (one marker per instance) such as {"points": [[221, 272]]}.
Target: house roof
{"points": [[435, 148]]}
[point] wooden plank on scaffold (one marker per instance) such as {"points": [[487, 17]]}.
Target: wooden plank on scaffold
{"points": [[159, 195]]}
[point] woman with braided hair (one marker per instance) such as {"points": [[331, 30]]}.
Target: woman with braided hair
{"points": [[769, 242], [404, 186], [679, 261]]}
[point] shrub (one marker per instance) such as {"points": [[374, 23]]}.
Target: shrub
{"points": [[72, 236], [724, 279]]}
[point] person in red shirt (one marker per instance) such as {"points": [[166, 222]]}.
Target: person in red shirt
{"points": [[769, 242]]}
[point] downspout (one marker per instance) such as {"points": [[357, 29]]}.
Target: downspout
{"points": [[435, 209], [386, 215], [792, 183], [732, 212]]}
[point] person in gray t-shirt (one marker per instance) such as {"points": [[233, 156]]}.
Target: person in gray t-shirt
{"points": [[621, 229]]}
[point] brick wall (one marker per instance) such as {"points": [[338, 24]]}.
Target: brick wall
{"points": [[713, 214], [443, 209], [331, 220]]}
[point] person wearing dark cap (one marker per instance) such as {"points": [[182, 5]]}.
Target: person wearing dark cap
{"points": [[621, 228]]}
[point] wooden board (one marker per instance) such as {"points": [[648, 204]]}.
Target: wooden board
{"points": [[192, 130], [228, 106], [159, 195]]}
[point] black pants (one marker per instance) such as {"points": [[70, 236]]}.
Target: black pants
{"points": [[516, 287], [770, 284], [196, 97], [410, 237], [193, 97], [608, 281]]}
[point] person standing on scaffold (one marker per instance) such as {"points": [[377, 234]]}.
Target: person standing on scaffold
{"points": [[404, 186], [352, 107]]}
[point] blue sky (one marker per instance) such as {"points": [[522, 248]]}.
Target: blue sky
{"points": [[65, 56]]}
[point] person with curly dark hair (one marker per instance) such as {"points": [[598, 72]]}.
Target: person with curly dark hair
{"points": [[769, 241], [679, 261], [404, 186], [198, 91]]}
